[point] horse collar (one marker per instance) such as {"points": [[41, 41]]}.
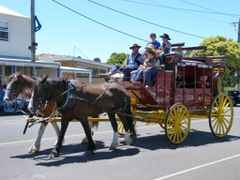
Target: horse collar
{"points": [[70, 99]]}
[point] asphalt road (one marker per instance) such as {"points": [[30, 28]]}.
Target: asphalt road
{"points": [[201, 156]]}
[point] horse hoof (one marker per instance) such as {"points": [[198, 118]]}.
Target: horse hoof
{"points": [[129, 141], [134, 141], [89, 152], [113, 147], [55, 144], [84, 141], [33, 150], [53, 154]]}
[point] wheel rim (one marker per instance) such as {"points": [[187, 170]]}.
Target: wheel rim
{"points": [[177, 125], [221, 115]]}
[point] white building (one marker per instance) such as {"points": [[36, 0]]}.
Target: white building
{"points": [[15, 56], [15, 30]]}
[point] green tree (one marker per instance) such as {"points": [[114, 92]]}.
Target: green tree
{"points": [[117, 58], [220, 45], [97, 59]]}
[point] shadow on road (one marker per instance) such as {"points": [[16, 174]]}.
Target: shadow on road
{"points": [[83, 158], [70, 153], [195, 138], [66, 149]]}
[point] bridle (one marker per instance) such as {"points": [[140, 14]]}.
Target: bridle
{"points": [[13, 92]]}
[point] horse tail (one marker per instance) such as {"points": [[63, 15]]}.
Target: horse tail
{"points": [[129, 117], [95, 124]]}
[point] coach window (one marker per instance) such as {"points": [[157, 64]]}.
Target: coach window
{"points": [[4, 31]]}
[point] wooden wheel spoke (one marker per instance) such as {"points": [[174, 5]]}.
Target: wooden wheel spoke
{"points": [[217, 128], [214, 119], [226, 106], [215, 124], [225, 125], [220, 128], [226, 120], [184, 129], [224, 102]]}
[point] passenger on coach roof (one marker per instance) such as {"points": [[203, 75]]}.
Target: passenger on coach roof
{"points": [[131, 63], [165, 48], [152, 67], [154, 42]]}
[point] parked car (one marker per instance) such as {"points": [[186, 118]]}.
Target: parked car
{"points": [[235, 96]]}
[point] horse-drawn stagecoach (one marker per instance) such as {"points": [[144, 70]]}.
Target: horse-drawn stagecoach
{"points": [[187, 88]]}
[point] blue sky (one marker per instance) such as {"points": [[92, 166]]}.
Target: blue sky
{"points": [[62, 30]]}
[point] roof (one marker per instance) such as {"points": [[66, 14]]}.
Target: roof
{"points": [[71, 69], [27, 63], [4, 10], [184, 63], [61, 58]]}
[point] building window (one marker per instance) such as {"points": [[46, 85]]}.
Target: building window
{"points": [[3, 31]]}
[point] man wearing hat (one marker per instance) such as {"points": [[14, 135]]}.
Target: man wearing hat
{"points": [[154, 42], [166, 45], [165, 48], [131, 63]]}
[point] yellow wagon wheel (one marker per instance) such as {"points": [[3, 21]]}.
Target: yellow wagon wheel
{"points": [[177, 124], [221, 115], [121, 130]]}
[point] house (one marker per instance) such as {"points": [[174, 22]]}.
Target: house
{"points": [[15, 38], [96, 68]]}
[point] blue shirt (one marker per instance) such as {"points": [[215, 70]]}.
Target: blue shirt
{"points": [[133, 62], [156, 44]]}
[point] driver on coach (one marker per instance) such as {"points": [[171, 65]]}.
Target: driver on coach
{"points": [[131, 63]]}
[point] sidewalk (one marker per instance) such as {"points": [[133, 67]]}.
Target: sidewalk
{"points": [[10, 113]]}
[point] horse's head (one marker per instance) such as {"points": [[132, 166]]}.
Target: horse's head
{"points": [[40, 95], [14, 87]]}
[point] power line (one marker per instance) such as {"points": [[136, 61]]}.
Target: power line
{"points": [[181, 9], [76, 48], [146, 21], [203, 7], [98, 22], [204, 17]]}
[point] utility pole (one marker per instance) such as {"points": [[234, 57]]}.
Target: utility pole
{"points": [[238, 40], [238, 31], [33, 37]]}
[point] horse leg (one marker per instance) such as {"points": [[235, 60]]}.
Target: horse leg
{"points": [[88, 132], [115, 133], [85, 139], [57, 131], [36, 146], [127, 135], [56, 150]]}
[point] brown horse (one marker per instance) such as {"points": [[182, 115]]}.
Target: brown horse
{"points": [[20, 84], [79, 101]]}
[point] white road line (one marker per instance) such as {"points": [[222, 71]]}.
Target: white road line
{"points": [[70, 136], [198, 167]]}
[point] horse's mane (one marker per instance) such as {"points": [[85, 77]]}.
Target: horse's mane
{"points": [[27, 78]]}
